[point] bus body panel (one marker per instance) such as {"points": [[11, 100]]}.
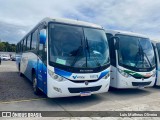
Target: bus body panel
{"points": [[61, 88], [158, 68], [18, 59], [28, 63], [157, 82], [119, 81], [30, 60], [42, 76], [113, 77]]}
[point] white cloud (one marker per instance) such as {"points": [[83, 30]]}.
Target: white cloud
{"points": [[140, 16]]}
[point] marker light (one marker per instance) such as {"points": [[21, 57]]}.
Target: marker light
{"points": [[123, 73]]}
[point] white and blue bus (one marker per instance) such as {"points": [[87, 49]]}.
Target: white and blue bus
{"points": [[65, 57], [156, 45], [132, 60]]}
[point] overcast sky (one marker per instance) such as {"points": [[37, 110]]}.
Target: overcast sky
{"points": [[17, 17]]}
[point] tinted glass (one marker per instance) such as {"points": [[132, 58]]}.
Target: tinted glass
{"points": [[136, 52], [78, 47], [28, 42], [34, 40]]}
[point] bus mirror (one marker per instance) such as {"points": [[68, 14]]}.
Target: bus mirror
{"points": [[43, 35], [116, 42]]}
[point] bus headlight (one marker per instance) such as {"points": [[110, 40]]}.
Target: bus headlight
{"points": [[107, 76], [154, 74], [55, 76], [123, 73]]}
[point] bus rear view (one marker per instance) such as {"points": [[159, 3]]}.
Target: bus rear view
{"points": [[72, 59]]}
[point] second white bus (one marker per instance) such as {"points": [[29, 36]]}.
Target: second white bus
{"points": [[132, 60]]}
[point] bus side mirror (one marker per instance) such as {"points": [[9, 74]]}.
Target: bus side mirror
{"points": [[116, 42], [43, 36]]}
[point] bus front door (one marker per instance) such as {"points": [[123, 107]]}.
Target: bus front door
{"points": [[42, 70]]}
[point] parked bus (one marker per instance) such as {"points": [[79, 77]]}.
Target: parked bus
{"points": [[156, 46], [65, 57], [132, 60]]}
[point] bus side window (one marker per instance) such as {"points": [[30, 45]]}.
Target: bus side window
{"points": [[24, 45], [34, 40], [20, 48], [28, 42], [158, 49]]}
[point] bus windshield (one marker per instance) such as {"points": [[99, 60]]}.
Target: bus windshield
{"points": [[76, 46], [158, 49], [136, 52]]}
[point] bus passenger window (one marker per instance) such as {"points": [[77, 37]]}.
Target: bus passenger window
{"points": [[34, 40]]}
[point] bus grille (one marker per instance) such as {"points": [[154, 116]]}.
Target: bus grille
{"points": [[82, 81], [84, 89], [140, 83]]}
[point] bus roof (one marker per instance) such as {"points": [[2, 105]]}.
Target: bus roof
{"points": [[156, 41], [125, 33], [65, 21], [70, 21]]}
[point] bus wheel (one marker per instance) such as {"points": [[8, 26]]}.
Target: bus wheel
{"points": [[35, 88]]}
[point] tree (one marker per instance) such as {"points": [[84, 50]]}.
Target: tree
{"points": [[6, 47], [2, 46]]}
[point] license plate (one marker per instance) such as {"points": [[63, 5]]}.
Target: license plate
{"points": [[85, 93]]}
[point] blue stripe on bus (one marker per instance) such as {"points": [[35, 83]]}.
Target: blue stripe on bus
{"points": [[103, 74], [68, 74], [62, 72]]}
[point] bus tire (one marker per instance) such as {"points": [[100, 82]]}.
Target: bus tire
{"points": [[35, 88]]}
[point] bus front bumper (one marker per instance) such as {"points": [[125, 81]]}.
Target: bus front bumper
{"points": [[68, 88], [135, 83]]}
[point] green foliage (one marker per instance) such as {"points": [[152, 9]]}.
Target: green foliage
{"points": [[6, 47]]}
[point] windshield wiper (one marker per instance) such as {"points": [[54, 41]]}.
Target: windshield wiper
{"points": [[137, 56], [88, 49], [76, 55]]}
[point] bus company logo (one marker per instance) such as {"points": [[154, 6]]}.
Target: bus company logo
{"points": [[78, 77], [86, 82]]}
